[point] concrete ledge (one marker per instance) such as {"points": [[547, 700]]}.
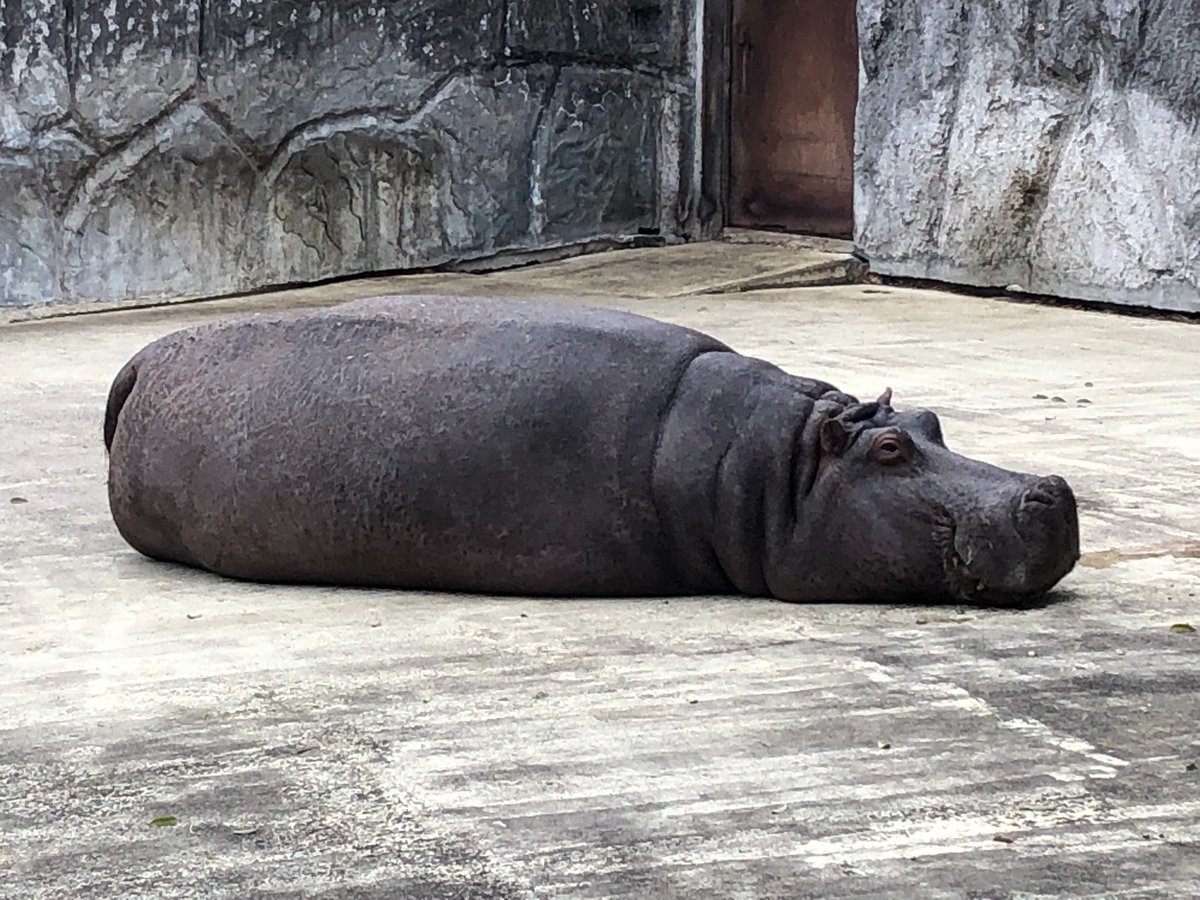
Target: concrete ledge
{"points": [[1173, 296]]}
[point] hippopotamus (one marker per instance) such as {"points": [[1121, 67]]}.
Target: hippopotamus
{"points": [[537, 448]]}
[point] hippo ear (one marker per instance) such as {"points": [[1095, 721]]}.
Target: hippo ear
{"points": [[885, 399], [834, 437]]}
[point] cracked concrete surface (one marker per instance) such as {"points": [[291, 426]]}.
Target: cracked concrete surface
{"points": [[166, 733]]}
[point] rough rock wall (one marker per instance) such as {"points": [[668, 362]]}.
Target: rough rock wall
{"points": [[169, 148], [1053, 144]]}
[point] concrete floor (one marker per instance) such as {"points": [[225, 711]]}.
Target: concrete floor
{"points": [[315, 742]]}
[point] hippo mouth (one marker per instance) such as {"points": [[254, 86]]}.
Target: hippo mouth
{"points": [[967, 587]]}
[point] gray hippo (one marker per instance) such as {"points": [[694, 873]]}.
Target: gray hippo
{"points": [[521, 447]]}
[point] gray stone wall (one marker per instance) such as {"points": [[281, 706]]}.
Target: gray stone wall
{"points": [[1053, 144], [173, 148]]}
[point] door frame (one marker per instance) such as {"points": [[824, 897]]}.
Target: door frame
{"points": [[716, 45], [716, 37]]}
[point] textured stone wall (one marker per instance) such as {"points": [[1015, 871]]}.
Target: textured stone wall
{"points": [[169, 148], [1053, 144], [174, 148]]}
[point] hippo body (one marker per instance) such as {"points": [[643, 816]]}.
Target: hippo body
{"points": [[521, 447]]}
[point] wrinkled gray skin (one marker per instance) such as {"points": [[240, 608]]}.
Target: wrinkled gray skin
{"points": [[513, 447]]}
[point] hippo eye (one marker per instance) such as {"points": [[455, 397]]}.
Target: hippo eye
{"points": [[889, 449]]}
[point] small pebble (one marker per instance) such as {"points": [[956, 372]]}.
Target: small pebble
{"points": [[1088, 384], [1040, 397], [18, 500], [1057, 400]]}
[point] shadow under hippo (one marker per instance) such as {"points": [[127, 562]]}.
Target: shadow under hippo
{"points": [[514, 447]]}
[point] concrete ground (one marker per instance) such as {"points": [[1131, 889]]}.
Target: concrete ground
{"points": [[165, 733]]}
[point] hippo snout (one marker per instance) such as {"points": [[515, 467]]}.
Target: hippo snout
{"points": [[1048, 521], [1023, 548], [1047, 518]]}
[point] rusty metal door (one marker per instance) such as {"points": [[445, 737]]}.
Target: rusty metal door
{"points": [[794, 85]]}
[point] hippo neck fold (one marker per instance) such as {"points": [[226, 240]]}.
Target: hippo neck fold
{"points": [[737, 449]]}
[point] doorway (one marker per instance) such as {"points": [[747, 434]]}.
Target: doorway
{"points": [[793, 87]]}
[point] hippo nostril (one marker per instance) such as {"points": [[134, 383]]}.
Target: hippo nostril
{"points": [[1037, 496], [1045, 492]]}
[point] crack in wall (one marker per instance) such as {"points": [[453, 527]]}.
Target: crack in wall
{"points": [[104, 171], [502, 52], [537, 158], [615, 62], [396, 117], [201, 38], [69, 45], [964, 20], [236, 136]]}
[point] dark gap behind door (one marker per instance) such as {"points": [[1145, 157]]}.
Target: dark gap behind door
{"points": [[793, 90]]}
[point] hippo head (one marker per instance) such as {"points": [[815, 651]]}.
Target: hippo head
{"points": [[896, 515]]}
